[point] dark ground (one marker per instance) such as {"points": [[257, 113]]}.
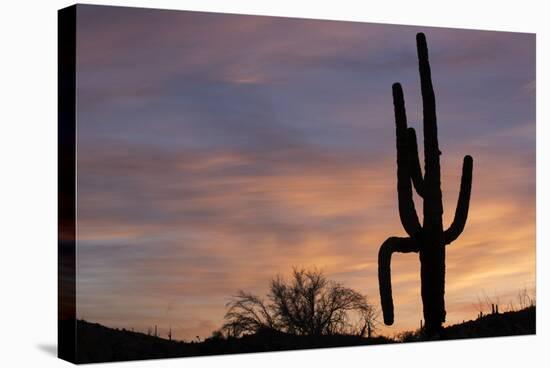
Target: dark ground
{"points": [[97, 343]]}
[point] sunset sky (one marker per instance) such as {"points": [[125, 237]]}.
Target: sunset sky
{"points": [[216, 151]]}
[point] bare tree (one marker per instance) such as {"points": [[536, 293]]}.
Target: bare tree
{"points": [[247, 313], [308, 305]]}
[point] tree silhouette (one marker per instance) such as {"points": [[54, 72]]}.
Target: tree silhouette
{"points": [[308, 305], [428, 239]]}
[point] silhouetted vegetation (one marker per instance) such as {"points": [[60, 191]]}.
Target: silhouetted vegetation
{"points": [[487, 305], [428, 239], [310, 304], [97, 343], [522, 322]]}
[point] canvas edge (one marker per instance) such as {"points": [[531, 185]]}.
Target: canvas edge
{"points": [[66, 146]]}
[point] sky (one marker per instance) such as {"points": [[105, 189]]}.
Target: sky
{"points": [[216, 151]]}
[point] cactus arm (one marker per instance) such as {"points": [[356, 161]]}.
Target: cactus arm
{"points": [[407, 212], [463, 204], [416, 171], [390, 246]]}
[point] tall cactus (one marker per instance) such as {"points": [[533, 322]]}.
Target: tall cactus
{"points": [[428, 239]]}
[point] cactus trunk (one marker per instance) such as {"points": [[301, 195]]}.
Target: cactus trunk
{"points": [[428, 239], [432, 252], [432, 284]]}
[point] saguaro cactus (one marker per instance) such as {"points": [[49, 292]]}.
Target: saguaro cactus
{"points": [[428, 239]]}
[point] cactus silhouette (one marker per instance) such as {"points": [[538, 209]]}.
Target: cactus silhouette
{"points": [[428, 239]]}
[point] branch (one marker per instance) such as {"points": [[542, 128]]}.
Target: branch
{"points": [[407, 211], [391, 245], [463, 204]]}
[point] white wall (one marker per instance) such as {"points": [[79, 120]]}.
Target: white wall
{"points": [[28, 187]]}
